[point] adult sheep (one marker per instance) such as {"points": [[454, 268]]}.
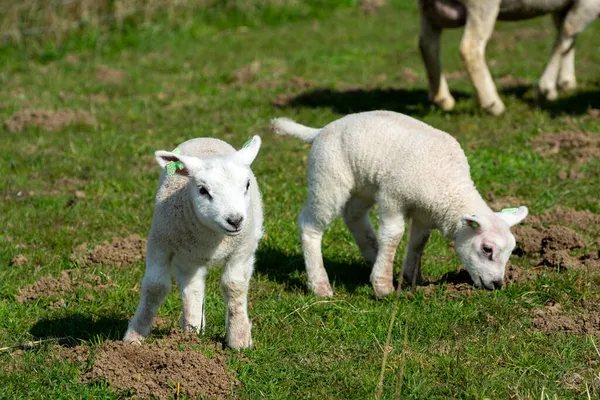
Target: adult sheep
{"points": [[478, 17], [208, 212], [413, 172]]}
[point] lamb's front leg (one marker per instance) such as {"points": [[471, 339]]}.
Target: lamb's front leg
{"points": [[235, 282], [411, 268], [391, 228], [192, 284], [155, 287]]}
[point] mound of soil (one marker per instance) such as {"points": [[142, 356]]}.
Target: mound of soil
{"points": [[572, 147], [19, 259], [553, 318], [120, 252], [66, 282], [584, 220], [163, 370], [46, 119]]}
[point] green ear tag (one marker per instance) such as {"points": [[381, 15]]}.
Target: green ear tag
{"points": [[247, 143], [510, 210], [172, 166], [473, 224]]}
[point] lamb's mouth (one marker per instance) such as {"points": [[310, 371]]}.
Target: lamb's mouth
{"points": [[232, 232]]}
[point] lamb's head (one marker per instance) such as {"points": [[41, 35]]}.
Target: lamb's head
{"points": [[219, 186], [484, 244]]}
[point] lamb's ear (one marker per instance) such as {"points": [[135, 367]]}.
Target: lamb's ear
{"points": [[176, 164], [249, 151], [476, 222], [513, 216]]}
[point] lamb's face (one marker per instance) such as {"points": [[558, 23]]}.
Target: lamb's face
{"points": [[484, 245], [219, 187], [220, 193]]}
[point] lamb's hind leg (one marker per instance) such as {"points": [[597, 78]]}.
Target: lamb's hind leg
{"points": [[580, 15], [411, 268], [192, 284], [356, 217], [481, 18], [429, 45], [312, 222], [391, 228]]}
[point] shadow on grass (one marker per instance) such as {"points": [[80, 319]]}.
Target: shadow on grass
{"points": [[408, 101], [77, 328], [288, 270], [568, 103]]}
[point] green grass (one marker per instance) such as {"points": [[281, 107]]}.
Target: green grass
{"points": [[180, 84]]}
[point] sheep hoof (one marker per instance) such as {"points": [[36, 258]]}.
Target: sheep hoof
{"points": [[445, 103], [547, 93], [496, 108], [133, 337], [383, 289], [322, 289], [567, 84]]}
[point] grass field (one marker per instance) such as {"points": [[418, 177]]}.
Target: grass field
{"points": [[88, 175]]}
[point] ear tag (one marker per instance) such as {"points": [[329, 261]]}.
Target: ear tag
{"points": [[172, 166], [509, 210], [247, 143], [473, 224]]}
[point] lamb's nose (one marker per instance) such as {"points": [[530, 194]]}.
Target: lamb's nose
{"points": [[235, 221], [497, 284]]}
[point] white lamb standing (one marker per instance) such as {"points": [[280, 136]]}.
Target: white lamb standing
{"points": [[208, 212], [414, 172]]}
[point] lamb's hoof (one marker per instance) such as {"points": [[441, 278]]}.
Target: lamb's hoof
{"points": [[495, 108], [445, 103], [547, 93], [133, 337], [567, 84], [240, 340], [383, 290], [322, 289]]}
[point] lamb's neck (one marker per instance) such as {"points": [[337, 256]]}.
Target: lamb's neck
{"points": [[470, 203]]}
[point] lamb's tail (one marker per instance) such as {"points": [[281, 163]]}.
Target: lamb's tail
{"points": [[285, 126]]}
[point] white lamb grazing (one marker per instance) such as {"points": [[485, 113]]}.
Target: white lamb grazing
{"points": [[413, 171], [208, 212]]}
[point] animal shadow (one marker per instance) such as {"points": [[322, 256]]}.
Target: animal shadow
{"points": [[77, 328], [406, 101], [288, 270]]}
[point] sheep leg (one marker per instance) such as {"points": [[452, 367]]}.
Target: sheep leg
{"points": [[566, 74], [429, 45], [356, 217], [481, 18], [411, 268], [581, 14], [391, 228], [192, 285], [155, 287], [234, 284]]}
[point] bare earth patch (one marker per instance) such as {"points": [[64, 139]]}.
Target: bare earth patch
{"points": [[162, 369], [109, 75], [49, 120], [67, 282], [571, 147], [553, 318], [120, 252]]}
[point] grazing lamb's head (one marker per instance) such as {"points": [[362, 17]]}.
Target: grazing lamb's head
{"points": [[484, 244], [219, 186]]}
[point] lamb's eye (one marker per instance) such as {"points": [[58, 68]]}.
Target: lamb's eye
{"points": [[202, 190], [488, 250], [247, 185]]}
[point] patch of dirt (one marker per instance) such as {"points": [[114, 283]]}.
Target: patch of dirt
{"points": [[510, 81], [19, 259], [455, 283], [408, 75], [247, 73], [46, 119], [571, 175], [594, 113], [498, 203], [47, 286], [571, 147], [110, 75], [67, 282], [162, 369], [120, 252], [454, 75], [370, 6], [553, 318], [584, 220]]}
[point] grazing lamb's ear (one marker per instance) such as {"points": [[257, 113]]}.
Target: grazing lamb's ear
{"points": [[249, 151], [174, 163], [477, 222], [513, 216]]}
